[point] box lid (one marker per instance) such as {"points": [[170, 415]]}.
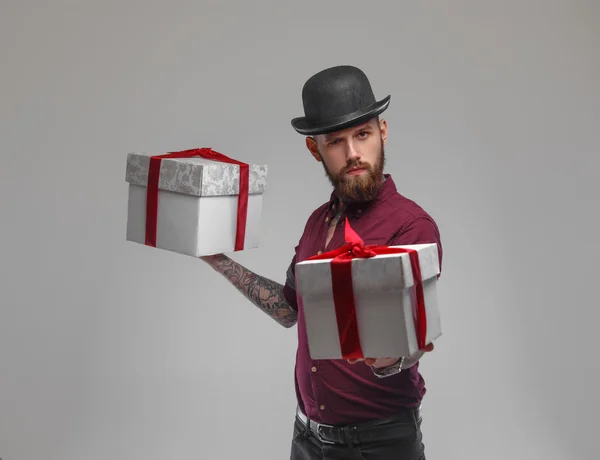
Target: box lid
{"points": [[195, 176], [381, 273]]}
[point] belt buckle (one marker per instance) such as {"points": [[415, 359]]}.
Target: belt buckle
{"points": [[319, 433]]}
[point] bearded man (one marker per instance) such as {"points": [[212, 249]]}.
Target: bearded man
{"points": [[347, 409]]}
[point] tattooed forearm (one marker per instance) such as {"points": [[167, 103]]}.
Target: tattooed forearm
{"points": [[262, 292]]}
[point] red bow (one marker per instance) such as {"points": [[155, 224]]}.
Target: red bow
{"points": [[343, 295], [209, 154]]}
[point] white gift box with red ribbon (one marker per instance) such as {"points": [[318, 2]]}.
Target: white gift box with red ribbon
{"points": [[194, 202], [370, 301]]}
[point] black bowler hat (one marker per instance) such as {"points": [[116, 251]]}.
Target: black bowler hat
{"points": [[335, 99]]}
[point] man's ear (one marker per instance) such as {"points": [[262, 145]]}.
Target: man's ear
{"points": [[383, 127], [313, 148]]}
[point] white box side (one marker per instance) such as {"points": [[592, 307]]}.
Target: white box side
{"points": [[193, 225]]}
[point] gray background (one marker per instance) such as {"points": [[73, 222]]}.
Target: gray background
{"points": [[111, 350]]}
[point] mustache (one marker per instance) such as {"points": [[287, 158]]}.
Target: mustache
{"points": [[360, 165]]}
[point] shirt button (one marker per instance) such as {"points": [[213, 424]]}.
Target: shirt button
{"points": [[322, 407], [320, 252], [327, 219], [314, 369]]}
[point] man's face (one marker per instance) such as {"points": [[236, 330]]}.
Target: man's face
{"points": [[353, 160]]}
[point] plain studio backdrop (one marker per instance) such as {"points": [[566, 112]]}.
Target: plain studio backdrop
{"points": [[113, 350]]}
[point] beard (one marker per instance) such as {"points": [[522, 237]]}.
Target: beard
{"points": [[361, 188]]}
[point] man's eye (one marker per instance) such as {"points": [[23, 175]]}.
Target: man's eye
{"points": [[363, 134]]}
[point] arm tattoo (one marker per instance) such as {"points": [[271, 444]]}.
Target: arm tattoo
{"points": [[262, 292]]}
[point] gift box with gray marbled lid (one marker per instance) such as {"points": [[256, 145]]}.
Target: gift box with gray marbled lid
{"points": [[197, 204]]}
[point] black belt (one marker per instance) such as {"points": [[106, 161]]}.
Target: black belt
{"points": [[400, 425]]}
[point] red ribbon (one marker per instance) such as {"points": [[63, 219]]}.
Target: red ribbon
{"points": [[209, 154], [343, 294]]}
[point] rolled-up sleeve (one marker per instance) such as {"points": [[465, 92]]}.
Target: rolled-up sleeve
{"points": [[289, 288]]}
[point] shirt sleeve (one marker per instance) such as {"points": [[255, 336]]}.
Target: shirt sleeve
{"points": [[422, 230], [289, 288]]}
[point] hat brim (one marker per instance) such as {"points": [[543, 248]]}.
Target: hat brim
{"points": [[303, 126]]}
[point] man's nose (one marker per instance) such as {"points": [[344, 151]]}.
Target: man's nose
{"points": [[352, 154]]}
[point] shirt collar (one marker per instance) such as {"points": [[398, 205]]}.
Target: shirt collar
{"points": [[357, 209]]}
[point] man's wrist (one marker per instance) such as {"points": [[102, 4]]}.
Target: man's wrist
{"points": [[390, 364], [214, 259]]}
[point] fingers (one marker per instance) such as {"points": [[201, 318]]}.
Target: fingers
{"points": [[372, 361], [367, 361]]}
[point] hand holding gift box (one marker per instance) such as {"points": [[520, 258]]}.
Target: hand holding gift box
{"points": [[195, 202], [370, 301]]}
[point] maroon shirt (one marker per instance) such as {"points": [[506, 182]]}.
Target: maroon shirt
{"points": [[334, 391]]}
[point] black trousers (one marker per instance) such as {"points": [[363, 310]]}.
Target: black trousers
{"points": [[403, 440]]}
